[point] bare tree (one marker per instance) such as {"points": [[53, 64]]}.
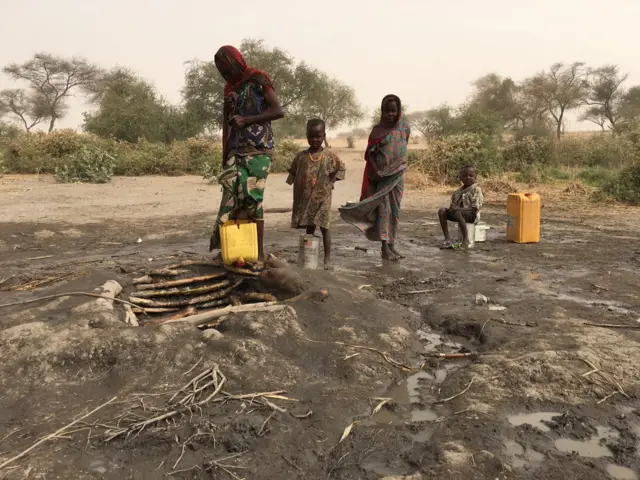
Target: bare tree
{"points": [[560, 89], [30, 110], [51, 81], [606, 95]]}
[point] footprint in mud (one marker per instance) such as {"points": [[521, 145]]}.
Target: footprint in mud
{"points": [[521, 456]]}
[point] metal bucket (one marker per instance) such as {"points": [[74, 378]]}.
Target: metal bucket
{"points": [[308, 249]]}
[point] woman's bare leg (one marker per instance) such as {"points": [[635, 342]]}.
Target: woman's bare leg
{"points": [[387, 254], [393, 250]]}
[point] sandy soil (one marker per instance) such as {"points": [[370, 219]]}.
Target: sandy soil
{"points": [[547, 396]]}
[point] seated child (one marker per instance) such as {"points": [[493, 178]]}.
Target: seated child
{"points": [[312, 174], [465, 206]]}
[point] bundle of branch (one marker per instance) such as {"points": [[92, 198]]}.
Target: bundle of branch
{"points": [[175, 292], [243, 271], [162, 272], [182, 282], [183, 302]]}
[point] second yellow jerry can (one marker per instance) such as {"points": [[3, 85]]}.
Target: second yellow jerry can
{"points": [[523, 217]]}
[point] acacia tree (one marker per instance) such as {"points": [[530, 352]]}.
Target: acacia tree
{"points": [[605, 98], [630, 109], [498, 97], [332, 101], [435, 122], [559, 90], [29, 109], [50, 81], [304, 91], [130, 109], [596, 114]]}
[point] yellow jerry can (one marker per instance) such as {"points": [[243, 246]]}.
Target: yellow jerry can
{"points": [[239, 239], [523, 217]]}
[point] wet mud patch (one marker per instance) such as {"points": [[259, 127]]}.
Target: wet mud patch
{"points": [[414, 287], [571, 425]]}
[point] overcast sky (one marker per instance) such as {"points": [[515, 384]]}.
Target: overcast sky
{"points": [[426, 51]]}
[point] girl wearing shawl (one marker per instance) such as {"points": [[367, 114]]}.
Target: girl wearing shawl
{"points": [[378, 211], [250, 105]]}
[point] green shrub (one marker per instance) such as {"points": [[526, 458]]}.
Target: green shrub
{"points": [[536, 173], [210, 167], [89, 164], [521, 154], [597, 176], [625, 187], [283, 155], [442, 160]]}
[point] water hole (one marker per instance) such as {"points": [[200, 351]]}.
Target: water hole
{"points": [[591, 448], [535, 419], [407, 392], [621, 473]]}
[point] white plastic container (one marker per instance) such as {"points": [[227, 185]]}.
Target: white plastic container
{"points": [[308, 249], [477, 233], [481, 232]]}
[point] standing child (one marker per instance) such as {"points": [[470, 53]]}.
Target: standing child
{"points": [[465, 206], [312, 174]]}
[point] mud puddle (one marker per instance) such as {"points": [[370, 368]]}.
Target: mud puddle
{"points": [[591, 448], [618, 472], [406, 402], [409, 398], [535, 419]]}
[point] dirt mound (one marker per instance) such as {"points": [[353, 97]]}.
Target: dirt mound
{"points": [[266, 374]]}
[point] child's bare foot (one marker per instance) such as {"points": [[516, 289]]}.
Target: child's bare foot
{"points": [[387, 254], [393, 250], [448, 243], [327, 264]]}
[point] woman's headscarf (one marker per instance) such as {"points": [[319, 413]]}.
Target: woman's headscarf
{"points": [[231, 60], [380, 131], [377, 134]]}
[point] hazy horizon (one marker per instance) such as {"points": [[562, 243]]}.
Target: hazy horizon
{"points": [[428, 54]]}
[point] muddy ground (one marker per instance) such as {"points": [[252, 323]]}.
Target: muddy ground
{"points": [[547, 395]]}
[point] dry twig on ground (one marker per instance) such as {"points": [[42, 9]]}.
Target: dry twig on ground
{"points": [[384, 355], [448, 399], [609, 325], [220, 312], [450, 355], [55, 434], [68, 294], [189, 401]]}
